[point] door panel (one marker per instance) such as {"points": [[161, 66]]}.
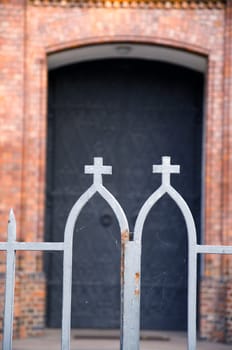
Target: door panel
{"points": [[131, 113]]}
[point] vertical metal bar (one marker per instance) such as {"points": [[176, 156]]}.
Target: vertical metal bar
{"points": [[67, 266], [192, 297], [9, 288], [67, 296], [192, 266], [124, 240], [131, 324], [124, 227]]}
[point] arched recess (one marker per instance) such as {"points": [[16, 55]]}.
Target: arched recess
{"points": [[125, 51], [133, 50]]}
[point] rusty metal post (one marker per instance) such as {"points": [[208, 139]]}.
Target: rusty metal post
{"points": [[124, 240], [132, 273]]}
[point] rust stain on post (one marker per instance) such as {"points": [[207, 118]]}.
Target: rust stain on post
{"points": [[137, 275], [124, 240], [137, 290], [124, 236]]}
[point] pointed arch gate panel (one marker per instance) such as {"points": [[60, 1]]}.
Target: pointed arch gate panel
{"points": [[130, 257]]}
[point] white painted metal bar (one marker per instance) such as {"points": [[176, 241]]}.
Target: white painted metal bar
{"points": [[9, 287], [192, 266], [192, 298], [132, 315], [3, 245], [214, 249], [144, 211], [67, 265], [132, 296], [34, 246], [43, 246], [117, 209], [124, 229]]}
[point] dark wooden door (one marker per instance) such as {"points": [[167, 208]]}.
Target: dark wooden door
{"points": [[131, 113]]}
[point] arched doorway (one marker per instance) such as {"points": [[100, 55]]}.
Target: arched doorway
{"points": [[130, 112]]}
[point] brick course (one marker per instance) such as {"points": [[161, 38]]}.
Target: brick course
{"points": [[28, 34]]}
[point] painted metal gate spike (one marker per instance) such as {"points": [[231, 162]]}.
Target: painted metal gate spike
{"points": [[130, 257]]}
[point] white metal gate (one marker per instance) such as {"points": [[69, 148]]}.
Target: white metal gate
{"points": [[130, 257]]}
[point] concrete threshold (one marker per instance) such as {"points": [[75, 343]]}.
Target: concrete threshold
{"points": [[109, 340]]}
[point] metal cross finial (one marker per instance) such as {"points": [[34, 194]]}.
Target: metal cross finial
{"points": [[166, 168], [98, 169]]}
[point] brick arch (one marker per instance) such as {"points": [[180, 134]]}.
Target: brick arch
{"points": [[68, 28], [184, 45], [180, 53]]}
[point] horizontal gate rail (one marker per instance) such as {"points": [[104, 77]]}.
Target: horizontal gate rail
{"points": [[33, 246], [214, 249], [130, 257]]}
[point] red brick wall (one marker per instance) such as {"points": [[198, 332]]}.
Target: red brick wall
{"points": [[28, 34], [11, 109]]}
